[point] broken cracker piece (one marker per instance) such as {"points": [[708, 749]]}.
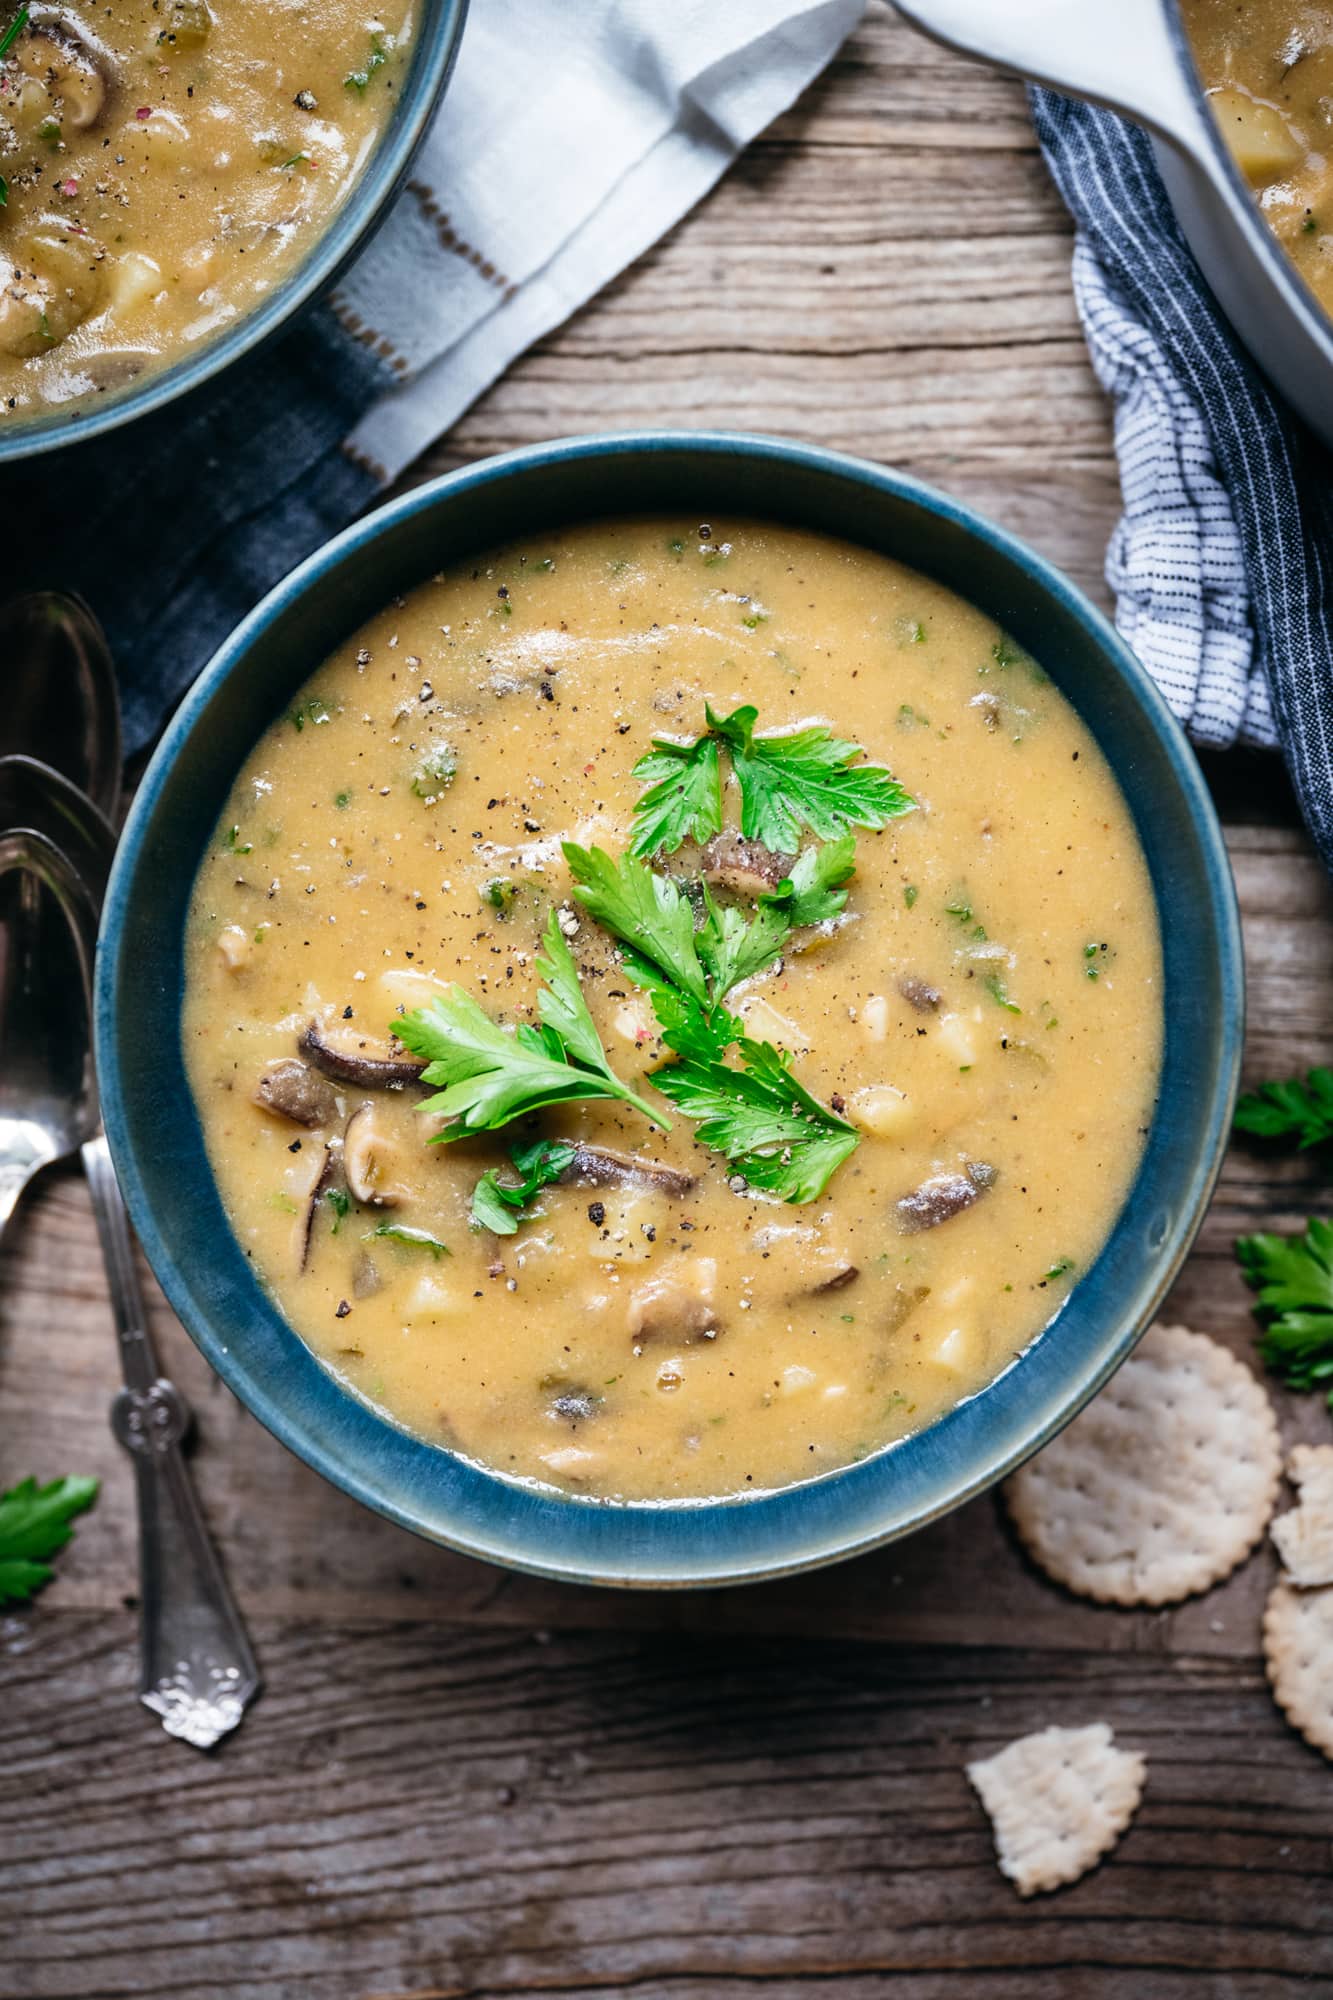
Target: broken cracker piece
{"points": [[1162, 1485], [1303, 1535], [1298, 1652], [1058, 1800]]}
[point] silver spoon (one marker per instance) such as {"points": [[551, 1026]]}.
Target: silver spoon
{"points": [[197, 1670], [61, 707]]}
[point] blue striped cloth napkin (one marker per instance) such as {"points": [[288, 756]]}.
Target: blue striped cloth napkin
{"points": [[1220, 565]]}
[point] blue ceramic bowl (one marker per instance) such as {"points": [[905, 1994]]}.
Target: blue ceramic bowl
{"points": [[155, 1133], [438, 32]]}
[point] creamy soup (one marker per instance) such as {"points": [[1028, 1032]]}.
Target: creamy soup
{"points": [[1267, 66], [163, 163], [886, 964]]}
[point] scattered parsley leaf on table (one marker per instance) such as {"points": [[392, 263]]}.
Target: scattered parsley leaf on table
{"points": [[34, 1524], [1290, 1110], [488, 1076], [1292, 1277], [497, 1204]]}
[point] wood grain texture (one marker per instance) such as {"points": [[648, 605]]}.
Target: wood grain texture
{"points": [[465, 1783]]}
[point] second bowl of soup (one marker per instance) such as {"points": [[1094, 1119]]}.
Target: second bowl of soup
{"points": [[177, 177], [691, 1040]]}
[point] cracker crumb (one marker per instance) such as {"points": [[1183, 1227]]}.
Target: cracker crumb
{"points": [[1058, 1801], [1303, 1536]]}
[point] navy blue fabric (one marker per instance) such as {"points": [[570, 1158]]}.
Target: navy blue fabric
{"points": [[175, 526], [1277, 476]]}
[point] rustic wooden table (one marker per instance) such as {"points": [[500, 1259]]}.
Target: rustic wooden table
{"points": [[465, 1783]]}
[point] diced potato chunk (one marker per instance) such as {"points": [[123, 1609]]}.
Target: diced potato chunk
{"points": [[874, 1018], [949, 1335], [428, 1299], [763, 1023], [956, 1040], [131, 279], [404, 988], [235, 948], [880, 1110], [1264, 144]]}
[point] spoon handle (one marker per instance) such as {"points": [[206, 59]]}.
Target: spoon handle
{"points": [[197, 1670]]}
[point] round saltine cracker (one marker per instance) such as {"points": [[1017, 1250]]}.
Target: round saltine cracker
{"points": [[1162, 1485], [1298, 1652]]}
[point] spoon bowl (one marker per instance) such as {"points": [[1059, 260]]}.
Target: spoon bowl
{"points": [[55, 856]]}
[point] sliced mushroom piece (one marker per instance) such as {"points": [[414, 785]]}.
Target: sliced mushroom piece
{"points": [[320, 1166], [919, 993], [289, 1088], [600, 1166], [943, 1196], [746, 867], [347, 1062], [572, 1403], [369, 1156], [676, 1307], [905, 1300], [839, 1281], [366, 1280], [73, 75]]}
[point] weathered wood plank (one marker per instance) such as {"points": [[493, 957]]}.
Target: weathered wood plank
{"points": [[465, 1783], [411, 1812]]}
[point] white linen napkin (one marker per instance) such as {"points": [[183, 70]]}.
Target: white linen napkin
{"points": [[570, 139]]}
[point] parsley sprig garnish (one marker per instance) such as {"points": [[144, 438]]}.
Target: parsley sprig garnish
{"points": [[12, 32], [788, 781], [767, 1124], [773, 1131], [688, 952], [1290, 1110], [34, 1525], [488, 1075], [1292, 1277], [497, 1205]]}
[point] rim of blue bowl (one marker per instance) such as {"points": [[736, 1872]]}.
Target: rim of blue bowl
{"points": [[625, 1550], [358, 216]]}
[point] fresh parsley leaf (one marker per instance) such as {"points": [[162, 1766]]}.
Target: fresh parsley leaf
{"points": [[813, 892], [685, 800], [4, 192], [644, 910], [234, 843], [734, 946], [340, 1202], [999, 993], [414, 1239], [13, 31], [488, 1075], [359, 79], [34, 1524], [789, 780], [1292, 1277], [774, 1132], [1290, 1110], [804, 778], [495, 1203]]}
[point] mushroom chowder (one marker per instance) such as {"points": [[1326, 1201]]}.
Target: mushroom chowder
{"points": [[163, 163], [673, 1008]]}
